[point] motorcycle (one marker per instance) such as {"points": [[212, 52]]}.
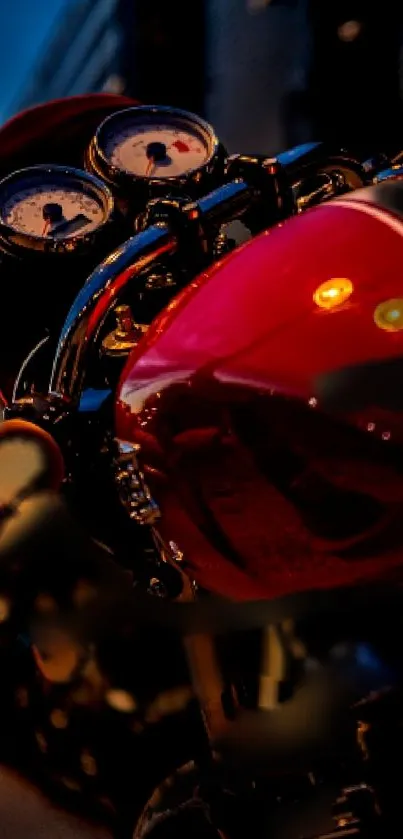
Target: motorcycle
{"points": [[210, 367], [76, 225]]}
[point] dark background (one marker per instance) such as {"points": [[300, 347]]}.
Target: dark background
{"points": [[266, 74]]}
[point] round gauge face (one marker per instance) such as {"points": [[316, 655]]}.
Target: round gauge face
{"points": [[156, 151], [155, 143], [51, 211], [47, 204]]}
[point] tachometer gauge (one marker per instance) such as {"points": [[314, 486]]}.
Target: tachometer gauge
{"points": [[52, 209], [154, 145]]}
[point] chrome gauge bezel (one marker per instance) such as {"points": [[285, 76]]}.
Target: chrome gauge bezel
{"points": [[98, 161], [17, 241]]}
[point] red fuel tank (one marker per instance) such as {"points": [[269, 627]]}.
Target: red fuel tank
{"points": [[267, 401]]}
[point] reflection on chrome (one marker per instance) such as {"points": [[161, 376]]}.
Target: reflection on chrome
{"points": [[94, 302]]}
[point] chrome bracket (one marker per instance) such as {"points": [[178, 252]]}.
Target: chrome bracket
{"points": [[133, 491]]}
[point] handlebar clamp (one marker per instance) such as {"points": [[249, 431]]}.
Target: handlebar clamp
{"points": [[273, 194], [184, 219]]}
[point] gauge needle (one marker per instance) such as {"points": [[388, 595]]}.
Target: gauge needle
{"points": [[150, 166], [45, 227]]}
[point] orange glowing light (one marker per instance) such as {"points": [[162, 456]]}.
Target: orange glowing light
{"points": [[333, 293], [389, 315]]}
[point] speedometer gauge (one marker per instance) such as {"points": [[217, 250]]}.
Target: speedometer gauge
{"points": [[154, 145], [52, 208], [157, 151]]}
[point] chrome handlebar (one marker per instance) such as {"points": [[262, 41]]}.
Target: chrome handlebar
{"points": [[93, 303], [261, 190], [118, 272]]}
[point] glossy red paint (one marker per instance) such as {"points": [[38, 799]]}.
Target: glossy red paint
{"points": [[254, 315], [248, 326]]}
